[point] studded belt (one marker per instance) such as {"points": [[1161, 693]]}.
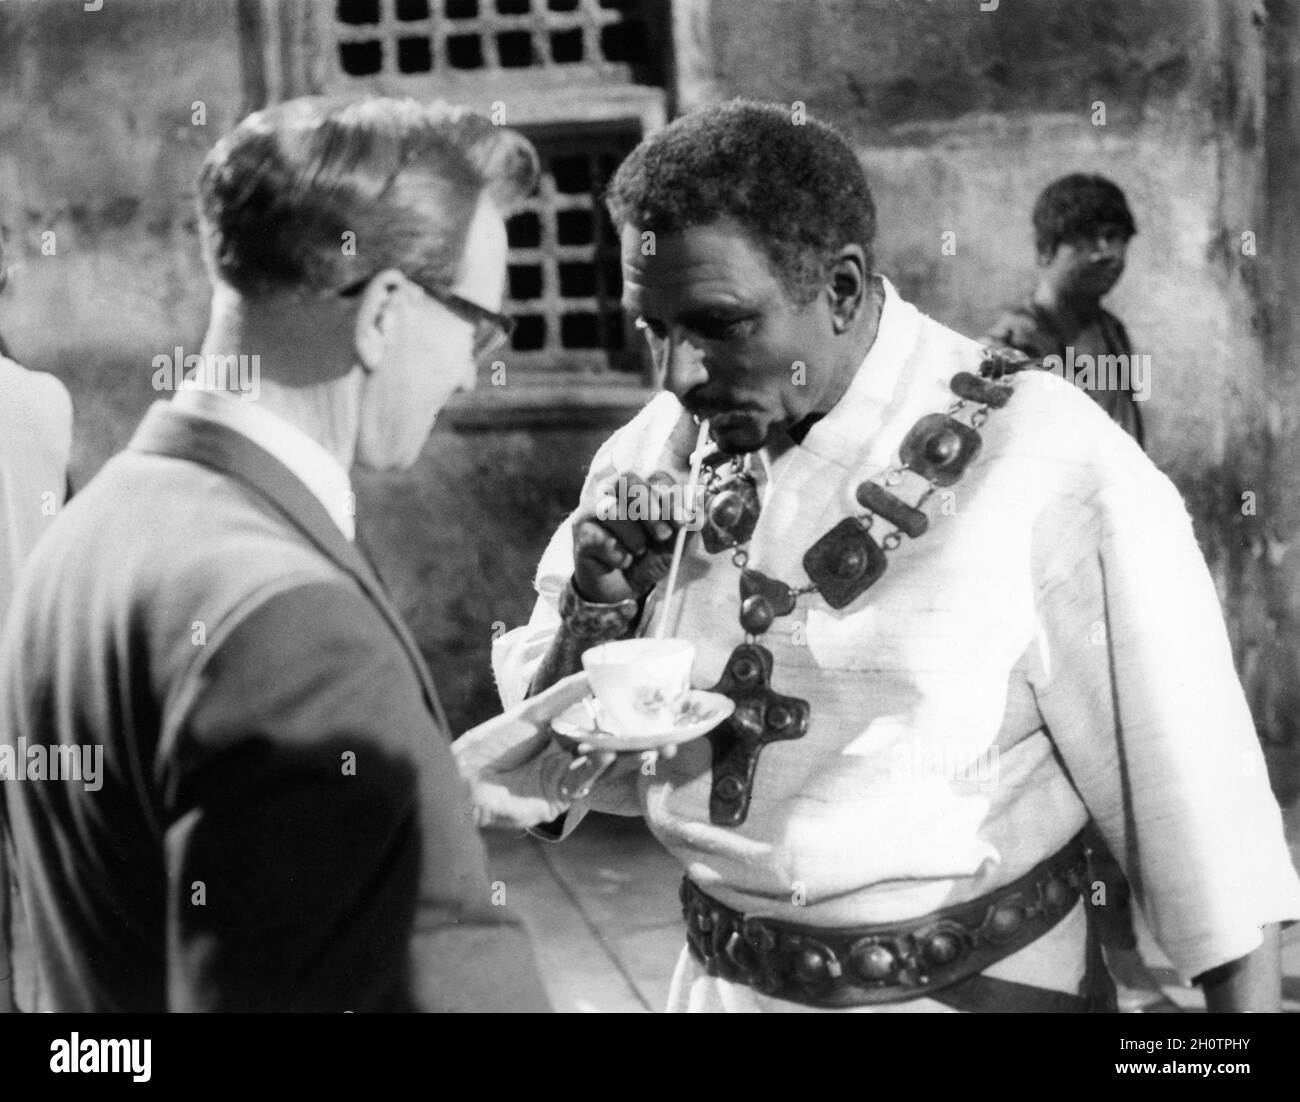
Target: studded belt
{"points": [[864, 965]]}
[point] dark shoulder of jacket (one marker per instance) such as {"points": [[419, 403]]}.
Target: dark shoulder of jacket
{"points": [[1121, 333], [302, 614], [314, 629]]}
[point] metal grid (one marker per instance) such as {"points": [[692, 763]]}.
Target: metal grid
{"points": [[565, 280], [412, 37]]}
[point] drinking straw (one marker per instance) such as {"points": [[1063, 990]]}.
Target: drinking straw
{"points": [[697, 460]]}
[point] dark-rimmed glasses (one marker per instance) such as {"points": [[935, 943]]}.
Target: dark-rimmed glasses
{"points": [[491, 329]]}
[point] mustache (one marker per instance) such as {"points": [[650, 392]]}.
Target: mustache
{"points": [[700, 406]]}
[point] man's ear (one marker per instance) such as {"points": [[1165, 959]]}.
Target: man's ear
{"points": [[377, 317], [848, 285]]}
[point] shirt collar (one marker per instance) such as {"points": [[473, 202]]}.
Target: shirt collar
{"points": [[315, 467]]}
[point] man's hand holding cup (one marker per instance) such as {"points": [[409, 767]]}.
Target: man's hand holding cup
{"points": [[622, 548]]}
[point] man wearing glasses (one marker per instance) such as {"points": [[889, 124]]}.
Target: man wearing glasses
{"points": [[491, 330], [278, 823]]}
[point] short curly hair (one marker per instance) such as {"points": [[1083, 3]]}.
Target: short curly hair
{"points": [[279, 195], [1075, 205], [792, 182]]}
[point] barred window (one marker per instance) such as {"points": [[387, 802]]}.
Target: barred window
{"points": [[585, 80], [423, 36], [564, 275]]}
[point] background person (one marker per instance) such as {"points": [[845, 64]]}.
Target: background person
{"points": [[1082, 227]]}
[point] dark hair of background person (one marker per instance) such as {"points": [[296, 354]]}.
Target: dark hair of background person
{"points": [[793, 183], [280, 194], [1075, 206]]}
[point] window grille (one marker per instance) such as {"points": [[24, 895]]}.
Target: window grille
{"points": [[584, 79], [416, 37], [565, 282]]}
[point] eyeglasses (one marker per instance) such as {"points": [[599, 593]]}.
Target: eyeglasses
{"points": [[491, 330]]}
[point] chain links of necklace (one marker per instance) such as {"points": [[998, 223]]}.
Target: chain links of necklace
{"points": [[847, 560]]}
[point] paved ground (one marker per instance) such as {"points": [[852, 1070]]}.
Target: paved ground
{"points": [[605, 918], [603, 909]]}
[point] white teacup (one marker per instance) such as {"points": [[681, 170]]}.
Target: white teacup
{"points": [[641, 684]]}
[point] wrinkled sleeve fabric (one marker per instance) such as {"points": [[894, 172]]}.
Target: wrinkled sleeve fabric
{"points": [[638, 446], [515, 658], [518, 653], [318, 840], [1136, 684]]}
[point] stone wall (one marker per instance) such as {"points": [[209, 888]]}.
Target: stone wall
{"points": [[961, 116], [98, 145]]}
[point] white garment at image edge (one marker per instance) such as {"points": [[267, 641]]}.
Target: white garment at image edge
{"points": [[35, 445]]}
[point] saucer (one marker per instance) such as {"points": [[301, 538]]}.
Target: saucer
{"points": [[586, 722]]}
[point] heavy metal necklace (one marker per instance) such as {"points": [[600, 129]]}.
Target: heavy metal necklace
{"points": [[842, 565]]}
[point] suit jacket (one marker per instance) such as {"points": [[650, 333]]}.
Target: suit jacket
{"points": [[278, 823]]}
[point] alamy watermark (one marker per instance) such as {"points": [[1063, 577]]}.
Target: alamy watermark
{"points": [[53, 763], [632, 499], [960, 762], [121, 1056], [240, 375], [1122, 372]]}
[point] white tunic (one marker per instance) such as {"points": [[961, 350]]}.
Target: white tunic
{"points": [[35, 443], [1052, 647]]}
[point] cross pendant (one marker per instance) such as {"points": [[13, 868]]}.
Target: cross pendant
{"points": [[761, 716]]}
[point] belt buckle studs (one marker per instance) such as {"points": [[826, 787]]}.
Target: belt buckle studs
{"points": [[942, 945], [874, 962], [1056, 894], [815, 963], [762, 944], [1004, 920], [740, 954]]}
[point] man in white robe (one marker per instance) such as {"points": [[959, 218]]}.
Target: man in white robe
{"points": [[1050, 649]]}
